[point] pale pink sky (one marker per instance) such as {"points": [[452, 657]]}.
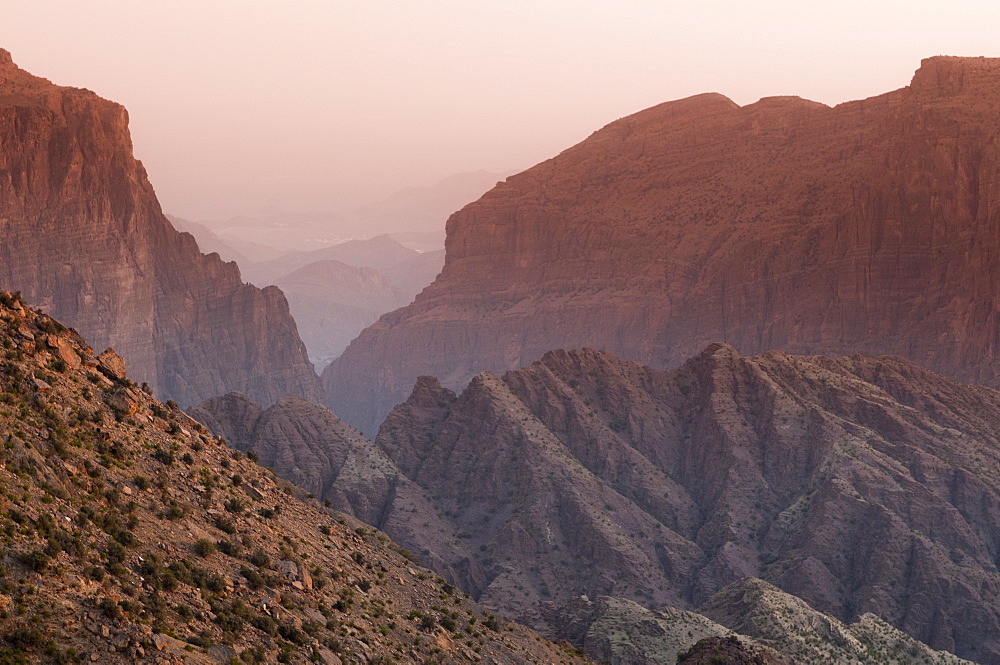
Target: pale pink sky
{"points": [[237, 104]]}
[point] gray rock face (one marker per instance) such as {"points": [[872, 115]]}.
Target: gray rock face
{"points": [[787, 625], [84, 238], [861, 485]]}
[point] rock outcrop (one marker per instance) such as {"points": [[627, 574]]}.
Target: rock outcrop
{"points": [[725, 651], [84, 238], [868, 227], [760, 611], [861, 485], [137, 537]]}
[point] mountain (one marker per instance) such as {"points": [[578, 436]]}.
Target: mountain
{"points": [[379, 253], [412, 275], [208, 241], [785, 224], [789, 626], [281, 231], [862, 485], [425, 209], [84, 237], [336, 292], [422, 241], [332, 302], [133, 535], [621, 632]]}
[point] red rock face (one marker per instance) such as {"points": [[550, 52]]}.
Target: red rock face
{"points": [[871, 226], [84, 238]]}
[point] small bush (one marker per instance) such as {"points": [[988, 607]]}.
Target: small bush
{"points": [[25, 637], [254, 579], [163, 456], [37, 560], [260, 558], [225, 524], [230, 547], [204, 547], [110, 608]]}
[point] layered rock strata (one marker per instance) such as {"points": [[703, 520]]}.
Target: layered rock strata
{"points": [[85, 239], [785, 224]]}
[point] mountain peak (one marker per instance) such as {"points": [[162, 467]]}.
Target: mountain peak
{"points": [[427, 391], [729, 467], [5, 57]]}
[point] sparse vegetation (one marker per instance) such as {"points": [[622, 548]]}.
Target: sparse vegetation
{"points": [[141, 520]]}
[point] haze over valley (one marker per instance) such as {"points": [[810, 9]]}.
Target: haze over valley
{"points": [[541, 333]]}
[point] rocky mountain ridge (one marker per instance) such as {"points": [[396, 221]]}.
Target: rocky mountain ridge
{"points": [[784, 224], [132, 535], [858, 484], [84, 238]]}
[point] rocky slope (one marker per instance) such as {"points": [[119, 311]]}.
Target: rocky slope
{"points": [[785, 224], [861, 485], [332, 302], [772, 628], [306, 444], [85, 239], [131, 535], [618, 631], [728, 651]]}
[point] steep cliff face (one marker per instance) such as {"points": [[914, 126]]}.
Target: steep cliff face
{"points": [[861, 485], [84, 238], [785, 224]]}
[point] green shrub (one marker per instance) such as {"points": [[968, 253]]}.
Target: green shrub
{"points": [[37, 560], [110, 608], [260, 558], [204, 547]]}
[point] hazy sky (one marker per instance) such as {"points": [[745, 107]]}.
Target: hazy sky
{"points": [[237, 104]]}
